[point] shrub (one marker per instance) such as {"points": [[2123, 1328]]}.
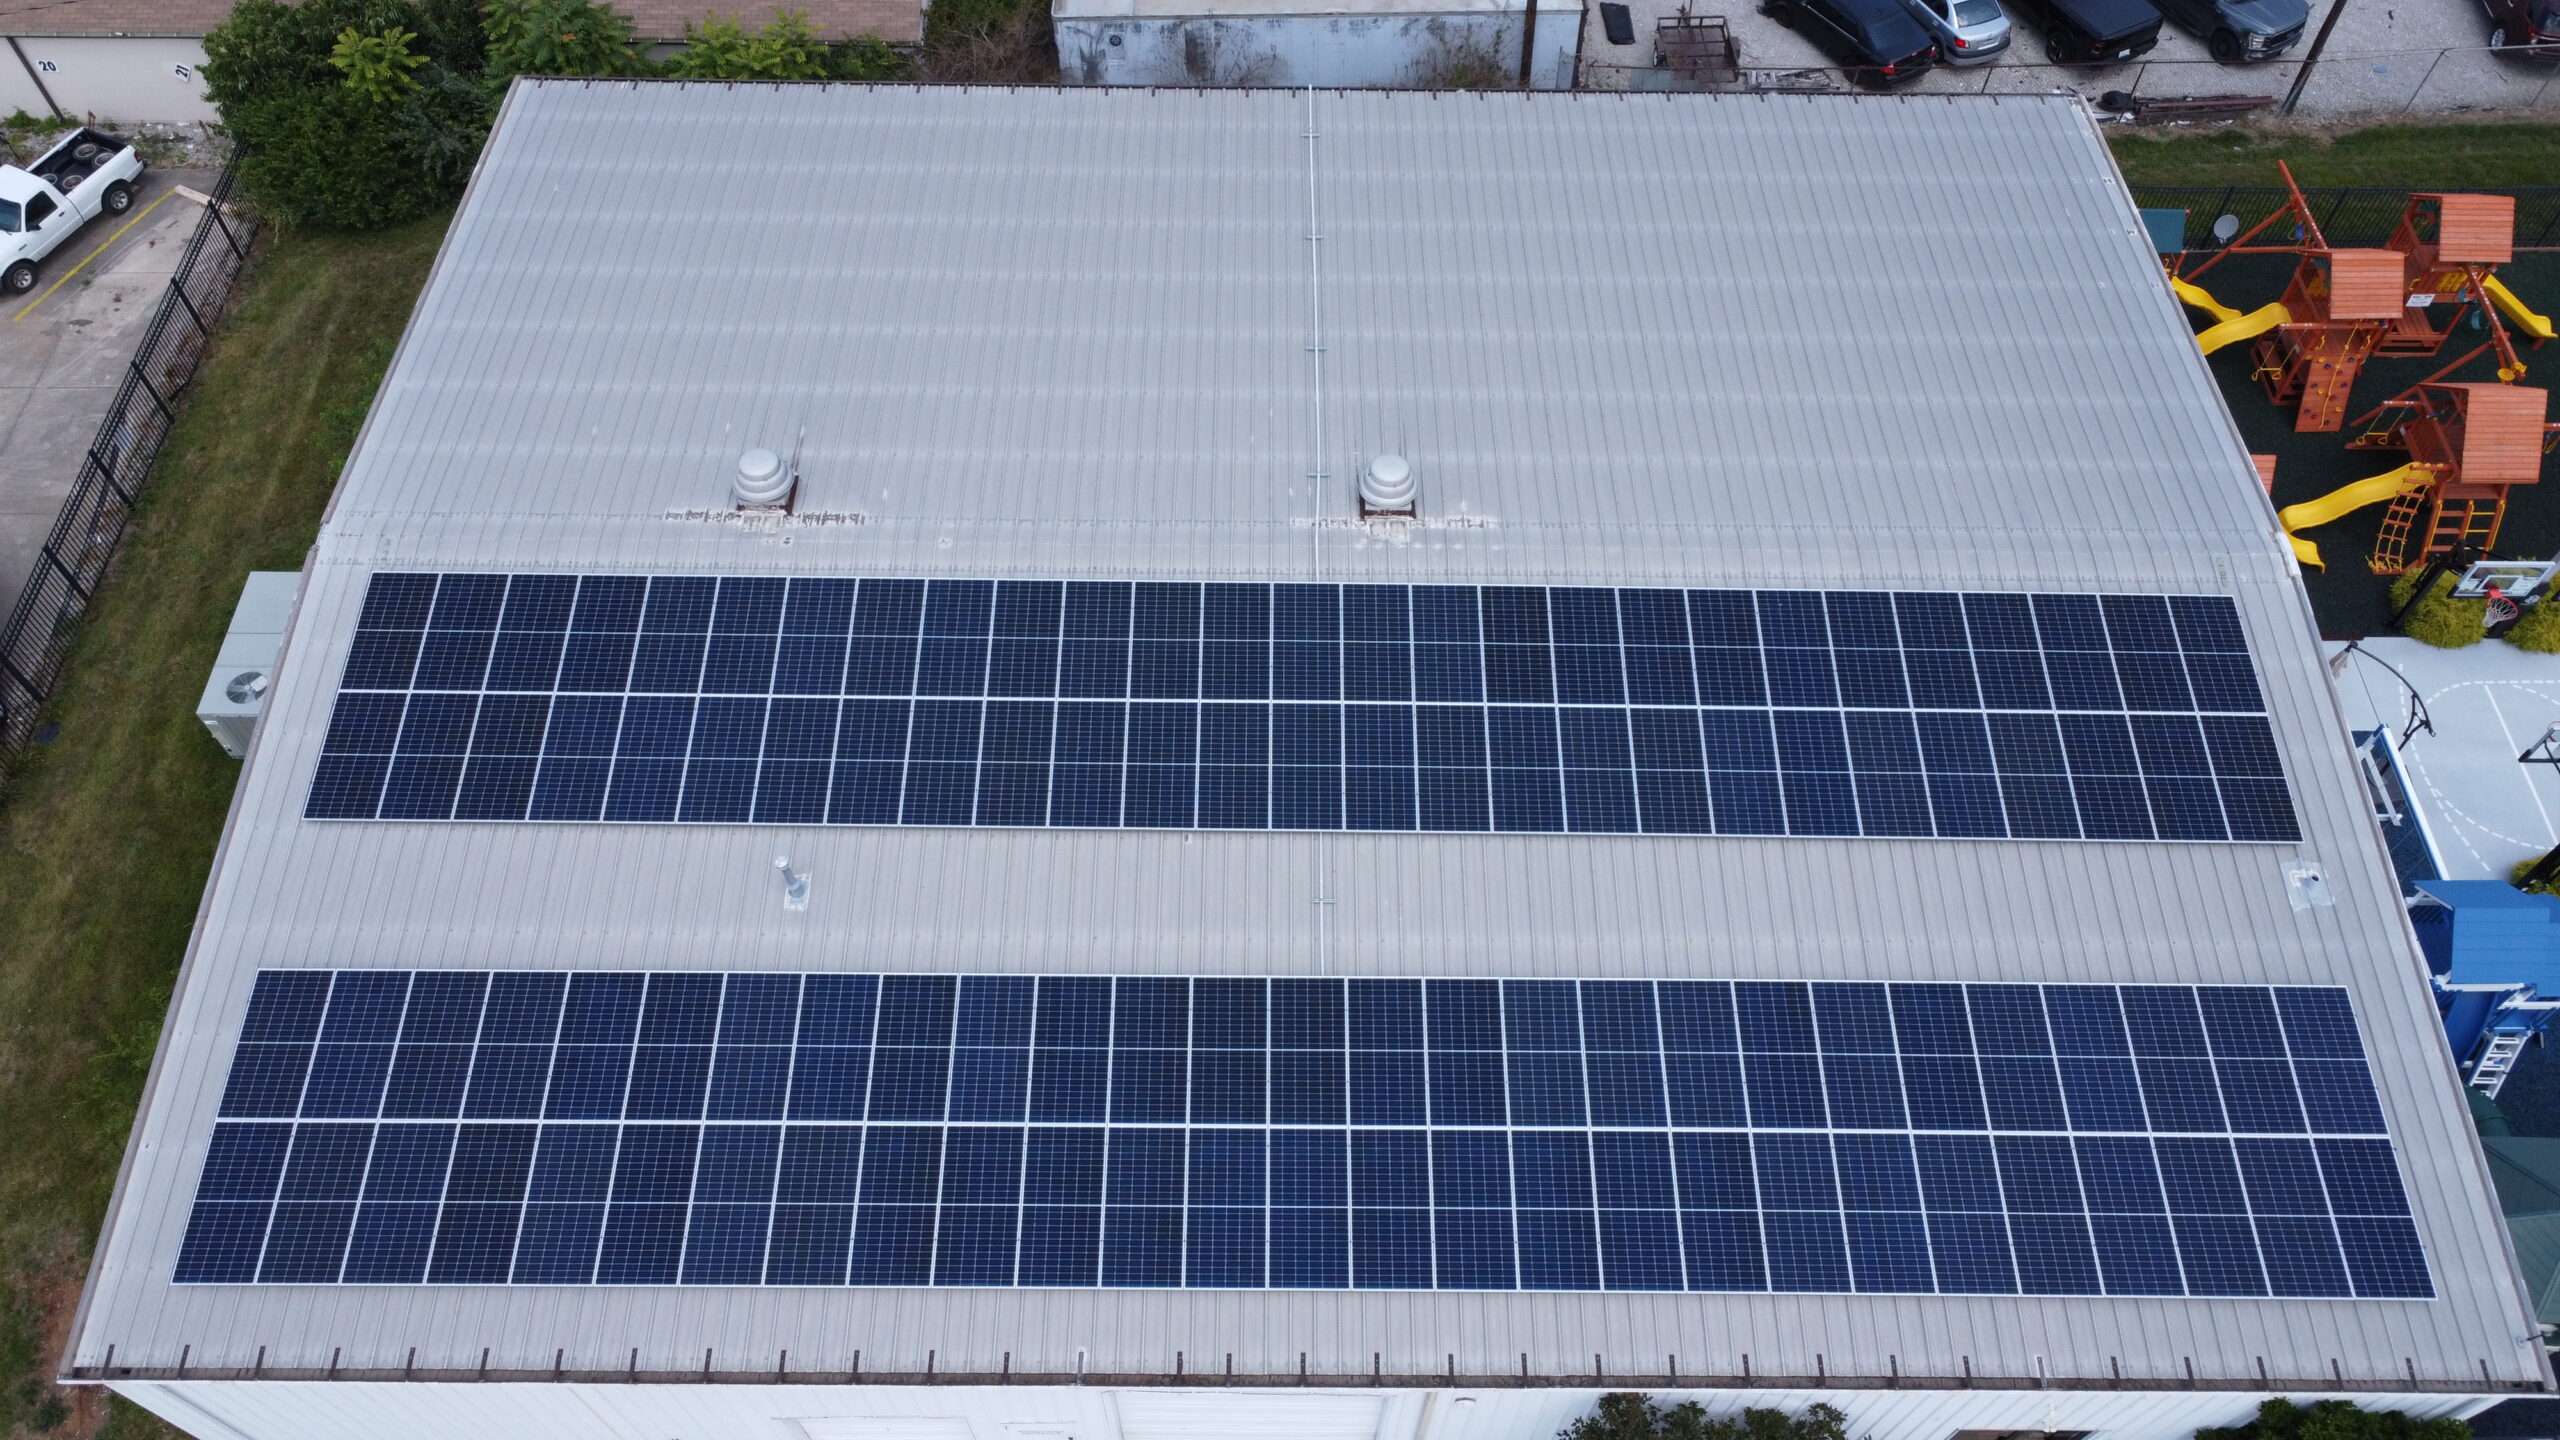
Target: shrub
{"points": [[559, 37], [867, 57], [785, 49], [2335, 1420], [1624, 1416], [2539, 630], [2439, 619], [353, 114]]}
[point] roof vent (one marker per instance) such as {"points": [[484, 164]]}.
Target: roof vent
{"points": [[764, 482], [1386, 487]]}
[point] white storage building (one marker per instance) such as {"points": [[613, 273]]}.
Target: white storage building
{"points": [[1377, 44], [1818, 861]]}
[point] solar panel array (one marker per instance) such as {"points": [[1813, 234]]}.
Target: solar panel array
{"points": [[546, 1128], [1300, 707]]}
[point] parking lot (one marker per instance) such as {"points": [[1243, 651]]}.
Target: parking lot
{"points": [[2385, 56], [63, 351]]}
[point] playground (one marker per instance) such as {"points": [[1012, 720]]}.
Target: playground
{"points": [[2393, 437]]}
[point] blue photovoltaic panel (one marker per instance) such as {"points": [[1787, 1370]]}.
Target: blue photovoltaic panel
{"points": [[539, 1128], [1300, 707]]}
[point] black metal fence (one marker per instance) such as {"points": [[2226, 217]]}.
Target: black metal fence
{"points": [[76, 555], [2348, 216]]}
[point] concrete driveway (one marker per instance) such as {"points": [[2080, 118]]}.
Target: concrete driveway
{"points": [[63, 351], [2385, 57]]}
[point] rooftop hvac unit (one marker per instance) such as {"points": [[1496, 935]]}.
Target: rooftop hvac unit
{"points": [[238, 688]]}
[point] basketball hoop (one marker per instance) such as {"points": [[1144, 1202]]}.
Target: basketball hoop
{"points": [[2545, 751], [2500, 610]]}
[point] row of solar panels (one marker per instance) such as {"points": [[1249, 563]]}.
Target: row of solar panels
{"points": [[1522, 614], [1890, 1057], [1299, 1208], [1307, 1013], [2062, 660]]}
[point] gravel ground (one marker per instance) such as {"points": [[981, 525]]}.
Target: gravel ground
{"points": [[2379, 61]]}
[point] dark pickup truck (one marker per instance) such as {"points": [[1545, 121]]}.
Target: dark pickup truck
{"points": [[1876, 40], [2094, 32], [2240, 32]]}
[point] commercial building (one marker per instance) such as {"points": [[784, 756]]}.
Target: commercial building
{"points": [[1370, 763], [1474, 44]]}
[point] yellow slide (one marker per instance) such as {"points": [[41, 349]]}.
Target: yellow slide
{"points": [[2537, 326], [2338, 502], [2202, 299], [2257, 322]]}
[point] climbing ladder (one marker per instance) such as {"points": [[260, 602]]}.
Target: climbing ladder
{"points": [[2496, 1060], [2453, 522], [2315, 366]]}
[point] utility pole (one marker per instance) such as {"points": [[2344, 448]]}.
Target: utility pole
{"points": [[2311, 57]]}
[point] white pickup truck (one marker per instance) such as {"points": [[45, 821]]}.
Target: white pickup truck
{"points": [[91, 173]]}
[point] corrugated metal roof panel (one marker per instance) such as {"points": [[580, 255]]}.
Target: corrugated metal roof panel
{"points": [[1810, 341]]}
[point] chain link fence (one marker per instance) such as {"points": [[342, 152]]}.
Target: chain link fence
{"points": [[2373, 83], [2362, 216], [83, 542]]}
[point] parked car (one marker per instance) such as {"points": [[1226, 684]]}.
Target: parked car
{"points": [[2240, 32], [1876, 40], [1968, 32], [91, 173], [2094, 32], [2529, 29]]}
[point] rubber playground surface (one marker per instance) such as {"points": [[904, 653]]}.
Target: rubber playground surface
{"points": [[2348, 597]]}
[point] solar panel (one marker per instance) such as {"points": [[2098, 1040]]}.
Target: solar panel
{"points": [[383, 1127], [1300, 707]]}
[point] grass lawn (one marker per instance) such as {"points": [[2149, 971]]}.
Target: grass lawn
{"points": [[108, 832], [2417, 156]]}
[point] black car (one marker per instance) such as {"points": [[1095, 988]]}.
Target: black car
{"points": [[1877, 40], [2094, 32], [2240, 31]]}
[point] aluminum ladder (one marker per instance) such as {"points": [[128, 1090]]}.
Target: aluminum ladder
{"points": [[2496, 1060]]}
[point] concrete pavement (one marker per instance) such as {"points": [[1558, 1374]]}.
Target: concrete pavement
{"points": [[63, 351]]}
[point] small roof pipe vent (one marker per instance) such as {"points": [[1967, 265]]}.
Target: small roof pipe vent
{"points": [[1387, 486], [764, 482]]}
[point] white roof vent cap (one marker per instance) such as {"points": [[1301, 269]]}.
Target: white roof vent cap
{"points": [[763, 480], [1386, 487]]}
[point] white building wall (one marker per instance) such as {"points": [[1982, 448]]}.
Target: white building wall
{"points": [[17, 87], [110, 78], [1340, 50], [320, 1410]]}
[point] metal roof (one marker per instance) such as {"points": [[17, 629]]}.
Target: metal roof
{"points": [[1810, 341]]}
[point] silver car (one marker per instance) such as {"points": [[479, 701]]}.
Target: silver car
{"points": [[1968, 32]]}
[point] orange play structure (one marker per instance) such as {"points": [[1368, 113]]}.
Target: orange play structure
{"points": [[2451, 247], [2309, 347], [2467, 445]]}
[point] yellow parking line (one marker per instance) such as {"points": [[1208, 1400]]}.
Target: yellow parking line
{"points": [[92, 255]]}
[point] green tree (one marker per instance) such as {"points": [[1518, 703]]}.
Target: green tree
{"points": [[377, 66], [722, 49], [2335, 1420], [352, 114], [559, 37], [867, 57], [1625, 1416]]}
